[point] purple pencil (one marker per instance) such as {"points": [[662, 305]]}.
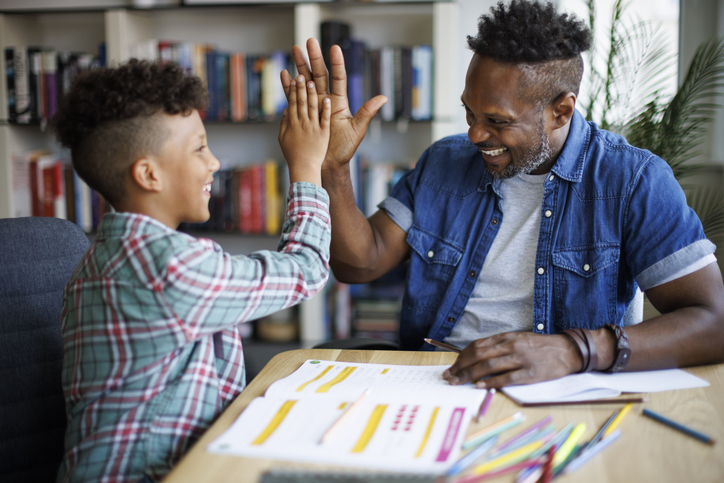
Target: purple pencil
{"points": [[485, 404], [523, 434]]}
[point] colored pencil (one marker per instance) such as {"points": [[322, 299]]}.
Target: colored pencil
{"points": [[593, 451], [590, 401], [443, 345], [470, 458], [494, 474], [679, 427], [496, 428], [510, 458], [484, 405], [603, 429], [617, 421], [524, 433], [566, 447], [343, 417]]}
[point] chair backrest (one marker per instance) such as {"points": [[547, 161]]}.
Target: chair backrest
{"points": [[37, 257]]}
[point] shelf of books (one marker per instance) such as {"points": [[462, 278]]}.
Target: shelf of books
{"points": [[402, 50]]}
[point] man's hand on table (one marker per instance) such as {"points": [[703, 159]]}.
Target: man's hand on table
{"points": [[515, 358]]}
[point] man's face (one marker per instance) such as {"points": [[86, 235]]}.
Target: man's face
{"points": [[511, 133]]}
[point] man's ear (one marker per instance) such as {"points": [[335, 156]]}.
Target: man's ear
{"points": [[146, 173], [563, 107]]}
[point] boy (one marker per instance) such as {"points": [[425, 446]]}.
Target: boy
{"points": [[152, 353]]}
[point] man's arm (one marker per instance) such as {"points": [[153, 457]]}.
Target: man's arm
{"points": [[689, 331], [362, 249]]}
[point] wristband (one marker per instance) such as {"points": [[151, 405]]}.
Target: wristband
{"points": [[586, 346], [623, 349]]}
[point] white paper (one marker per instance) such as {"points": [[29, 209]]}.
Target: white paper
{"points": [[584, 387], [411, 421]]}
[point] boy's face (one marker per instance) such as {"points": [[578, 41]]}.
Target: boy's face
{"points": [[188, 169]]}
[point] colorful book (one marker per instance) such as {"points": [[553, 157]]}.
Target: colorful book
{"points": [[257, 199]]}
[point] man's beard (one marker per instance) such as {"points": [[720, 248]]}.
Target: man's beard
{"points": [[530, 161]]}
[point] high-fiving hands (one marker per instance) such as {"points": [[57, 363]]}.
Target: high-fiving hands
{"points": [[347, 131]]}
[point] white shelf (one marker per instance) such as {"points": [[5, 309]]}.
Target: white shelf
{"points": [[257, 28]]}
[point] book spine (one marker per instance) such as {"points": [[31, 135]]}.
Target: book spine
{"points": [[50, 70], [222, 86], [238, 87], [10, 84], [70, 195], [257, 199], [272, 197], [22, 196], [211, 85], [245, 223]]}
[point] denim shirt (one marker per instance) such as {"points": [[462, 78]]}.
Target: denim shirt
{"points": [[613, 219]]}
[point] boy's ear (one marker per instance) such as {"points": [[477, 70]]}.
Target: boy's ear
{"points": [[146, 174]]}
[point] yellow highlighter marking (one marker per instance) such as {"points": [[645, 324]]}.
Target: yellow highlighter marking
{"points": [[340, 377], [427, 431], [321, 375], [274, 423], [385, 371], [342, 405], [370, 429]]}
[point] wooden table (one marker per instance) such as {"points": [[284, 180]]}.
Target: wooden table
{"points": [[647, 451]]}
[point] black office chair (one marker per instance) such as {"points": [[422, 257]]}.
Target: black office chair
{"points": [[37, 257]]}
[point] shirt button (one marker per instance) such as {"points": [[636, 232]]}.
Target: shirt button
{"points": [[451, 319], [586, 267], [430, 254], [552, 177], [548, 213], [541, 271], [539, 326], [495, 221], [472, 273]]}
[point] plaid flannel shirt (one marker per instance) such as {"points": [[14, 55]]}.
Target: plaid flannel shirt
{"points": [[152, 353]]}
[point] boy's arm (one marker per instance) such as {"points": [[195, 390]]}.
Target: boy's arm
{"points": [[209, 289], [212, 290]]}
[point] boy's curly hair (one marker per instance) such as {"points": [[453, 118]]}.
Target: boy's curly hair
{"points": [[109, 119], [545, 44]]}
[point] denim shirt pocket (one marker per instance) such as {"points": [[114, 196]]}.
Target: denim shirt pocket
{"points": [[584, 285], [432, 266]]}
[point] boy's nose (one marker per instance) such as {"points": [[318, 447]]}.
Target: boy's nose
{"points": [[215, 164]]}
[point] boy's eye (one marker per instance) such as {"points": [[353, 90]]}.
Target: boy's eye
{"points": [[201, 148]]}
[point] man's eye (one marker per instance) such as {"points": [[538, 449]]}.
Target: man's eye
{"points": [[496, 121]]}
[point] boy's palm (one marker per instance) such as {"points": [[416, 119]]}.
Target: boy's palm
{"points": [[347, 131]]}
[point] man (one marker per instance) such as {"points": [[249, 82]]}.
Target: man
{"points": [[553, 230]]}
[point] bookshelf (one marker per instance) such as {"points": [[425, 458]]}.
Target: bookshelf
{"points": [[248, 27]]}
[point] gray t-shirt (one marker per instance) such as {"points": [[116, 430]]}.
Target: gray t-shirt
{"points": [[502, 300]]}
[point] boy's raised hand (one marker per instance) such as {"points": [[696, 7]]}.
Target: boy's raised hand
{"points": [[304, 132], [347, 130]]}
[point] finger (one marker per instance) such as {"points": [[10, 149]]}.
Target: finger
{"points": [[339, 74], [326, 114], [367, 112], [283, 124], [286, 82], [301, 62], [313, 101], [319, 69], [293, 100], [302, 99], [486, 369]]}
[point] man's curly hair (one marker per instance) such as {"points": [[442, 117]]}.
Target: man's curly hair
{"points": [[545, 45], [109, 118]]}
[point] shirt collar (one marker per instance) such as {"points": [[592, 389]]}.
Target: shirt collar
{"points": [[126, 224], [569, 164]]}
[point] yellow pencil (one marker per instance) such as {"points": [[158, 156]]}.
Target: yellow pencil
{"points": [[566, 447], [510, 458], [617, 421]]}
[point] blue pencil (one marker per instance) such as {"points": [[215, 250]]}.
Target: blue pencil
{"points": [[680, 427], [472, 456], [592, 451]]}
